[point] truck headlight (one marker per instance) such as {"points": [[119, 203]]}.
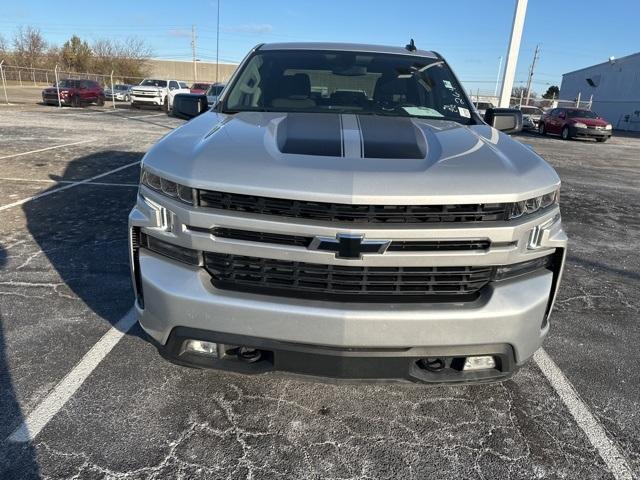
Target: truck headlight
{"points": [[167, 187], [535, 204]]}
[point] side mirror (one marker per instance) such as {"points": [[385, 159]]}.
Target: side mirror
{"points": [[189, 105], [508, 120]]}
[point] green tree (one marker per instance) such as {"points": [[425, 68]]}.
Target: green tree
{"points": [[552, 92], [76, 54]]}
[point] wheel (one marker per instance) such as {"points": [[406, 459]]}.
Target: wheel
{"points": [[165, 104], [542, 130], [75, 102], [602, 140], [135, 105], [100, 101], [565, 133], [127, 98]]}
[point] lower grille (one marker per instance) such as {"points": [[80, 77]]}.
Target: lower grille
{"points": [[345, 283]]}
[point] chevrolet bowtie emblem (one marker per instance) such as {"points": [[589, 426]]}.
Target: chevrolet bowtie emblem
{"points": [[349, 246]]}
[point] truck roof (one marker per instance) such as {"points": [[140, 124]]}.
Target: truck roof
{"points": [[357, 47]]}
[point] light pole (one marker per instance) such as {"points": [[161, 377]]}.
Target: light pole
{"points": [[218, 42], [495, 93], [512, 54]]}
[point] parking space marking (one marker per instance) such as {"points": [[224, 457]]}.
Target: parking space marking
{"points": [[47, 148], [595, 432], [65, 389], [67, 186], [44, 180]]}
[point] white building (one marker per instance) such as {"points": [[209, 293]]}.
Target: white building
{"points": [[615, 86]]}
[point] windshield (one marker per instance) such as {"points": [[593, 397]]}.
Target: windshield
{"points": [[199, 86], [348, 82], [153, 83], [581, 114], [215, 90], [120, 87], [68, 83]]}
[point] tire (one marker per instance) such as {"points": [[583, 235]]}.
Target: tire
{"points": [[75, 102], [165, 105], [602, 140], [127, 98], [565, 134], [542, 130], [135, 105], [100, 101]]}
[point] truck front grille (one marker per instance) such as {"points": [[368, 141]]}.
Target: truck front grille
{"points": [[342, 283], [302, 241], [341, 212]]}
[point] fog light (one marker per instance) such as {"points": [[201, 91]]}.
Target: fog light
{"points": [[200, 347], [483, 362]]}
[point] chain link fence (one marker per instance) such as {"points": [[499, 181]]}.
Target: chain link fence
{"points": [[20, 84]]}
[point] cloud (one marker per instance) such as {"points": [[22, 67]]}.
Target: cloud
{"points": [[249, 28], [179, 33]]}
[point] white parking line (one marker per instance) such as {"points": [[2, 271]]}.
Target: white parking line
{"points": [[65, 389], [595, 432], [43, 180], [48, 148], [65, 187]]}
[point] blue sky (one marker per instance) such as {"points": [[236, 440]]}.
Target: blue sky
{"points": [[471, 34]]}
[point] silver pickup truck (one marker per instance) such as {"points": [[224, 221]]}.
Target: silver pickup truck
{"points": [[344, 212]]}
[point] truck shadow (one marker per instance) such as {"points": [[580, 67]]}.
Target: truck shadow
{"points": [[83, 231], [17, 460]]}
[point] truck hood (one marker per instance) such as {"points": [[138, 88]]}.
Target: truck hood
{"points": [[350, 159]]}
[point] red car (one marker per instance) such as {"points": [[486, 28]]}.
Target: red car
{"points": [[74, 93], [574, 122], [200, 88]]}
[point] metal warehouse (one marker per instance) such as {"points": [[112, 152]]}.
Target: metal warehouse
{"points": [[614, 87]]}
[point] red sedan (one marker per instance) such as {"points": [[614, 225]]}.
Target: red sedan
{"points": [[573, 123], [200, 87]]}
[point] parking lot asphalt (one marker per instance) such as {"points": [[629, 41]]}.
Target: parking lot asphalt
{"points": [[64, 283]]}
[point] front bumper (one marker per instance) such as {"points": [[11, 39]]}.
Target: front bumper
{"points": [[146, 100], [589, 132], [508, 320]]}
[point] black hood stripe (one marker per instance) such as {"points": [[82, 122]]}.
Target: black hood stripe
{"points": [[391, 137], [311, 134]]}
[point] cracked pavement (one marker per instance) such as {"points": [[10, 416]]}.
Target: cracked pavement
{"points": [[64, 281]]}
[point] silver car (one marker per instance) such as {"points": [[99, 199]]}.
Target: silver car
{"points": [[344, 212], [531, 117], [120, 92]]}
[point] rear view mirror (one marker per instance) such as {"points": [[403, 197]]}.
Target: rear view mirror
{"points": [[508, 120], [189, 105]]}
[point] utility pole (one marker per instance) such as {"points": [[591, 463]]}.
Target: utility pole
{"points": [[512, 54], [536, 55], [218, 42], [193, 52]]}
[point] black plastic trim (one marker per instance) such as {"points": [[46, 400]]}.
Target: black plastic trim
{"points": [[368, 364]]}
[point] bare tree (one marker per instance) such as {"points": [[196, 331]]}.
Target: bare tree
{"points": [[29, 47], [3, 47]]}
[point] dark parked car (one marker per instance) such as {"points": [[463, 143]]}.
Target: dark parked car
{"points": [[575, 122], [74, 93]]}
